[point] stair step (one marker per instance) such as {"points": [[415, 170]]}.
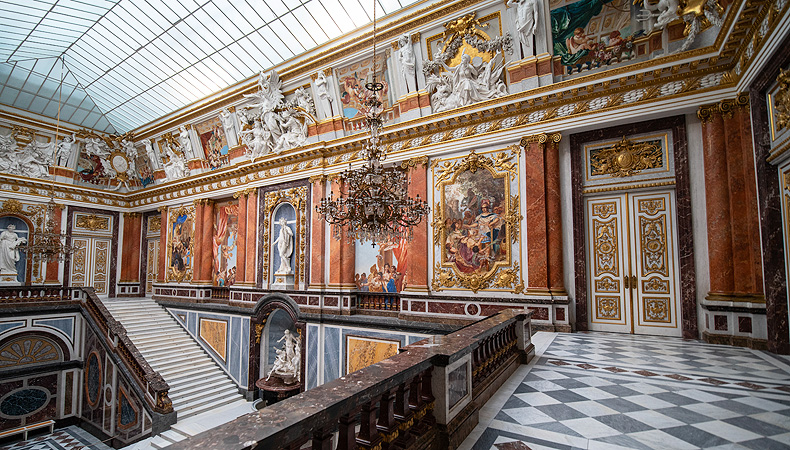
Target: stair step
{"points": [[199, 387], [164, 331], [167, 355], [184, 367], [193, 360], [199, 397], [191, 410]]}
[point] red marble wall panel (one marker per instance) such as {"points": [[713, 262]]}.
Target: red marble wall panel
{"points": [[252, 237], [446, 308]]}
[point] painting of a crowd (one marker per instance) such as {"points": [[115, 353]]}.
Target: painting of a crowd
{"points": [[181, 237], [475, 235], [387, 269], [224, 244]]}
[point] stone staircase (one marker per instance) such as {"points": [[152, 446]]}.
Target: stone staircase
{"points": [[197, 383]]}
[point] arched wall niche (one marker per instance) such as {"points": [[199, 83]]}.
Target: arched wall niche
{"points": [[24, 228], [32, 348], [280, 309]]}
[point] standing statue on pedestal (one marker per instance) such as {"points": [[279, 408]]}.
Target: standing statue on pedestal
{"points": [[407, 62], [230, 127], [285, 246], [183, 139], [64, 149], [526, 21], [9, 250], [323, 94], [289, 359]]}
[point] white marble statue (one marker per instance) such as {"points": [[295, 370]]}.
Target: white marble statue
{"points": [[8, 153], [467, 83], [9, 250], [229, 123], [176, 165], [284, 124], [526, 21], [288, 363], [65, 146], [153, 158], [304, 100], [323, 94], [407, 63], [36, 158], [659, 15], [96, 146], [285, 247], [183, 140]]}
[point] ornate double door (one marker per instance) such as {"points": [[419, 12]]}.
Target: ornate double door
{"points": [[632, 263], [152, 266], [90, 263]]}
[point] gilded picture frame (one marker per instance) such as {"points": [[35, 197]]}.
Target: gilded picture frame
{"points": [[476, 222], [180, 244]]}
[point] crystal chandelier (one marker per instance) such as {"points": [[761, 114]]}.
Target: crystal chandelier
{"points": [[375, 205], [46, 244]]}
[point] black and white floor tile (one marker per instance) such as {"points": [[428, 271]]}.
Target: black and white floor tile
{"points": [[69, 438], [605, 391]]}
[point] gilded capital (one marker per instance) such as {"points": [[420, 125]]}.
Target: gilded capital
{"points": [[705, 113]]}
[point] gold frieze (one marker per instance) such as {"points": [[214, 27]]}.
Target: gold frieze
{"points": [[626, 158]]}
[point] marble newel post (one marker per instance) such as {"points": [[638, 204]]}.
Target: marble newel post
{"points": [[342, 254], [241, 236], [53, 267], [417, 268], [733, 227], [130, 249], [542, 198], [252, 235], [162, 275], [317, 236]]}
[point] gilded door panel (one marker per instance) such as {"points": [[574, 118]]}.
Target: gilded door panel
{"points": [[101, 265], [606, 247], [79, 263], [654, 256], [152, 268]]}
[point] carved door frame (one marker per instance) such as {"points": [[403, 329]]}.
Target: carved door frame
{"points": [[112, 235], [676, 127]]}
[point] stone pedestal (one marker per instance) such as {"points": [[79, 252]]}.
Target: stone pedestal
{"points": [[283, 281], [9, 279]]}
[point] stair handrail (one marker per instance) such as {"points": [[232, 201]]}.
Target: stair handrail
{"points": [[151, 382]]}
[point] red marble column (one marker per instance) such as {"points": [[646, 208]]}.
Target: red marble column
{"points": [[53, 267], [554, 217], [717, 205], [241, 238], [417, 268], [130, 248], [535, 199], [207, 258], [317, 236], [752, 215], [197, 243], [161, 277], [252, 236], [342, 254]]}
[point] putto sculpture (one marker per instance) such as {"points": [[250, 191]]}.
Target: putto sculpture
{"points": [[272, 123], [287, 365]]}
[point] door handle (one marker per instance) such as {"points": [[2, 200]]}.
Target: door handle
{"points": [[633, 282], [626, 283]]}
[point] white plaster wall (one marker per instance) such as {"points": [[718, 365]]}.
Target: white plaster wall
{"points": [[566, 203]]}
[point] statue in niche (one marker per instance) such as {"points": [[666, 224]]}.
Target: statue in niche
{"points": [[230, 127], [285, 247], [35, 160], [288, 363], [323, 94], [284, 123], [184, 142], [9, 250], [407, 62], [526, 20], [176, 165], [467, 83], [64, 149]]}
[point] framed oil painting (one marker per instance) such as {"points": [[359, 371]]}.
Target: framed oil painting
{"points": [[214, 143], [180, 245], [476, 222], [226, 226], [352, 79]]}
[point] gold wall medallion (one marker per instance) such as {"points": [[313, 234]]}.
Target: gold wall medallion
{"points": [[626, 158], [476, 222]]}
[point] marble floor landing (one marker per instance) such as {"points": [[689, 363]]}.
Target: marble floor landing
{"points": [[611, 391]]}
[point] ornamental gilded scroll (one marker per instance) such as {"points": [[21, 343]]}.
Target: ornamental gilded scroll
{"points": [[476, 222], [626, 158], [180, 244], [296, 197]]}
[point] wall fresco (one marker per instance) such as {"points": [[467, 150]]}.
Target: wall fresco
{"points": [[352, 79], [226, 223], [214, 142]]}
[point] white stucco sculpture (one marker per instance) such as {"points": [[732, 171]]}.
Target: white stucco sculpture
{"points": [[8, 153], [526, 20], [36, 158], [176, 165], [9, 250], [289, 359], [229, 124], [322, 91], [285, 247], [153, 159], [293, 132], [407, 63], [256, 140], [65, 146], [184, 141], [466, 83]]}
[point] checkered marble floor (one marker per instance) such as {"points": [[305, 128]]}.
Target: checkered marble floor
{"points": [[69, 438], [609, 391]]}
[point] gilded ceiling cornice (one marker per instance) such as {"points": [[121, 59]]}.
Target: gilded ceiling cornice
{"points": [[15, 185]]}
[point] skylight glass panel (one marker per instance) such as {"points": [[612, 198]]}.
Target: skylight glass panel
{"points": [[192, 35], [339, 15], [175, 50], [132, 29], [102, 124], [215, 74], [8, 95], [38, 105], [78, 116], [227, 30], [325, 22], [283, 35], [357, 14], [388, 6], [313, 28], [231, 64], [299, 31], [241, 14], [263, 52], [214, 25], [23, 100], [177, 7], [277, 7], [278, 48]]}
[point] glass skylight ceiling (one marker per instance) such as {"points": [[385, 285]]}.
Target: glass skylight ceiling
{"points": [[128, 62]]}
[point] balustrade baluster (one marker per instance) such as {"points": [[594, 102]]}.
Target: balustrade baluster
{"points": [[346, 439], [404, 416], [387, 426], [368, 436], [322, 439]]}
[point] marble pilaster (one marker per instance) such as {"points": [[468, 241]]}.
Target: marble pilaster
{"points": [[130, 249], [207, 258], [199, 250], [52, 270], [554, 219], [535, 199], [318, 236], [252, 236], [417, 271], [241, 237], [162, 245]]}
